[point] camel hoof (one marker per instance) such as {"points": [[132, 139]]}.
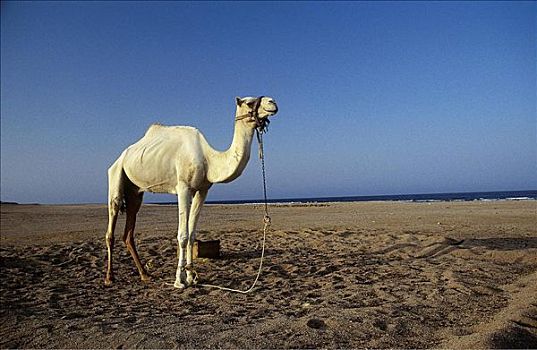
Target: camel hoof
{"points": [[192, 279], [108, 281], [179, 285], [189, 281]]}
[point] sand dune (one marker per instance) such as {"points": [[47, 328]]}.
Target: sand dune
{"points": [[342, 275]]}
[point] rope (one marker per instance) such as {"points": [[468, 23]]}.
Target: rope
{"points": [[266, 222]]}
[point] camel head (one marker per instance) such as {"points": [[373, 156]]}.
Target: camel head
{"points": [[255, 110]]}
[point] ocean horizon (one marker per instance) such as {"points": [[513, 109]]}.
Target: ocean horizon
{"points": [[417, 198], [421, 197]]}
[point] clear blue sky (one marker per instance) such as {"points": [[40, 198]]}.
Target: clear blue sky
{"points": [[375, 98]]}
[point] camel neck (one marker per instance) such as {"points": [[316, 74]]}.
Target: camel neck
{"points": [[228, 165]]}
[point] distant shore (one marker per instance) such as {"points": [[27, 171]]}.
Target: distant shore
{"points": [[427, 197]]}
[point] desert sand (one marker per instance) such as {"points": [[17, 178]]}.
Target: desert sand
{"points": [[336, 275]]}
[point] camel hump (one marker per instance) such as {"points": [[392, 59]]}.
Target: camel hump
{"points": [[159, 128], [153, 127]]}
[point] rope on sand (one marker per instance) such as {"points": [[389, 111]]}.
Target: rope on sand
{"points": [[266, 222]]}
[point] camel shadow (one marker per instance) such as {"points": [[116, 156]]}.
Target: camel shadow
{"points": [[504, 243], [500, 244]]}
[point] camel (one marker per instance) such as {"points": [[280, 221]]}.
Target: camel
{"points": [[179, 160]]}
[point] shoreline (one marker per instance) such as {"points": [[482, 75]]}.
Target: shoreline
{"points": [[285, 204]]}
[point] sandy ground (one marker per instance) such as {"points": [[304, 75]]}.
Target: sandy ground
{"points": [[346, 275]]}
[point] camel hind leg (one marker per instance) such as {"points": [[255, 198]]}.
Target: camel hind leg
{"points": [[133, 201], [113, 211], [115, 204]]}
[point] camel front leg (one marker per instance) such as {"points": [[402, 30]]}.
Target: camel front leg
{"points": [[195, 209], [184, 199]]}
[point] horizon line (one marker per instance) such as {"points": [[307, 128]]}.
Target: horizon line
{"points": [[289, 199]]}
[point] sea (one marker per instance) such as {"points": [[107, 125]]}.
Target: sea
{"points": [[428, 197]]}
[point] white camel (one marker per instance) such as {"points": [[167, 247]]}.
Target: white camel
{"points": [[178, 159]]}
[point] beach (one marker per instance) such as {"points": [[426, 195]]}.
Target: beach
{"points": [[335, 275]]}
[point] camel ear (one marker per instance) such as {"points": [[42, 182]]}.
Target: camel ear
{"points": [[238, 100]]}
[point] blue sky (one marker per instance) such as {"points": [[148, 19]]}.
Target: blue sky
{"points": [[374, 97]]}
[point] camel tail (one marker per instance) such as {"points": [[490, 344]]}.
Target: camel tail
{"points": [[116, 204], [116, 184]]}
